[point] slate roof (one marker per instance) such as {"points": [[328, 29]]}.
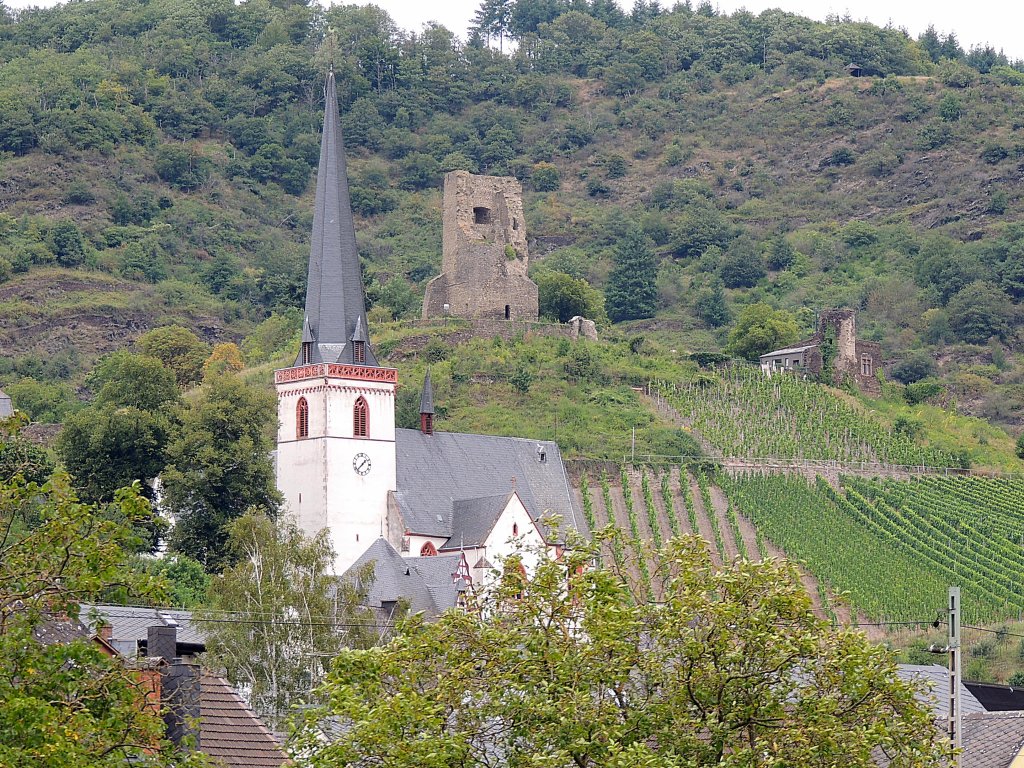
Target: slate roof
{"points": [[229, 732], [473, 519], [426, 583], [997, 698], [334, 288], [936, 678], [130, 624], [427, 395], [434, 471], [992, 739], [789, 350]]}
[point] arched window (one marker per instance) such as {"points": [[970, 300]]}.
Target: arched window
{"points": [[428, 550], [515, 529], [361, 418], [302, 418]]}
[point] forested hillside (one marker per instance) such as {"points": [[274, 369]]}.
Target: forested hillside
{"points": [[156, 160]]}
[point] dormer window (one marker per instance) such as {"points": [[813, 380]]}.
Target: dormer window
{"points": [[302, 419], [361, 418], [307, 352], [359, 352]]}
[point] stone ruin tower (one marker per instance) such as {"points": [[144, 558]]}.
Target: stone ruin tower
{"points": [[484, 254]]}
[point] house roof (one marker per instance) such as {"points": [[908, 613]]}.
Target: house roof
{"points": [[998, 698], [789, 351], [129, 625], [434, 471], [426, 583], [473, 519], [992, 739], [936, 678], [229, 732], [334, 288]]}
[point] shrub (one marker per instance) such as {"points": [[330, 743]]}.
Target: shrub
{"points": [[545, 177]]}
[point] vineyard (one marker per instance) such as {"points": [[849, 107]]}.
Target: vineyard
{"points": [[892, 547], [895, 546], [649, 505], [744, 414]]}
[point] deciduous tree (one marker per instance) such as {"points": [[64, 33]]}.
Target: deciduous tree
{"points": [[290, 614], [761, 329], [219, 466], [567, 668]]}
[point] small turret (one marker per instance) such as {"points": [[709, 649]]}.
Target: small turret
{"points": [[427, 406]]}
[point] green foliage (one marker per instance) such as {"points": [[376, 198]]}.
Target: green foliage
{"points": [[19, 457], [49, 403], [67, 243], [746, 414], [177, 348], [123, 379], [545, 177], [280, 573], [68, 704], [631, 292], [980, 311], [914, 368], [563, 297], [219, 466], [894, 545], [181, 166], [760, 329], [621, 675]]}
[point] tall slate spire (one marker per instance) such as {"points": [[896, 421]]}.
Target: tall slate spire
{"points": [[334, 289]]}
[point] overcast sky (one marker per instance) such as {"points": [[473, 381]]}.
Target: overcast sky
{"points": [[997, 22]]}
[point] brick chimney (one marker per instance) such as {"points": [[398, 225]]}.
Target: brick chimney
{"points": [[105, 631], [180, 687]]}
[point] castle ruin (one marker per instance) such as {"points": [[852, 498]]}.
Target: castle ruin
{"points": [[836, 338], [484, 254]]}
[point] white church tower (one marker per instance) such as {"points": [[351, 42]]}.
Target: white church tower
{"points": [[336, 458]]}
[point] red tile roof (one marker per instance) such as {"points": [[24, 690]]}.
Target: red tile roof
{"points": [[230, 732]]}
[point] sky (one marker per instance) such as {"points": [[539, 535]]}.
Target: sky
{"points": [[996, 22]]}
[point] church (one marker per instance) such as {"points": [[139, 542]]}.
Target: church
{"points": [[434, 511]]}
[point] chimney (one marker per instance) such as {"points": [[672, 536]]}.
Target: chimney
{"points": [[179, 689], [162, 641], [105, 631]]}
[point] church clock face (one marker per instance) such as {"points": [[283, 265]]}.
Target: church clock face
{"points": [[361, 463]]}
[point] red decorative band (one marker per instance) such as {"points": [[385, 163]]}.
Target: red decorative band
{"points": [[334, 370]]}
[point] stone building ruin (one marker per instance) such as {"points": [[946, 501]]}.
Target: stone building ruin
{"points": [[484, 254], [836, 338]]}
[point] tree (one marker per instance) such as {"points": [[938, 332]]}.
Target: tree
{"points": [[570, 668], [742, 267], [177, 348], [107, 447], [711, 306], [225, 358], [67, 704], [134, 381], [20, 457], [563, 297], [980, 311], [219, 466], [632, 292], [67, 243], [761, 329], [298, 614]]}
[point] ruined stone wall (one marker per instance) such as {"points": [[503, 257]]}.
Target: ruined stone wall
{"points": [[484, 252]]}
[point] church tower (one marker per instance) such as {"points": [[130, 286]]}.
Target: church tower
{"points": [[336, 406]]}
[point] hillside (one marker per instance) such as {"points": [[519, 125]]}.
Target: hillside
{"points": [[156, 158]]}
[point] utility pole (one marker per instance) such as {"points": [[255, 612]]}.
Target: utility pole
{"points": [[955, 719], [955, 711]]}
